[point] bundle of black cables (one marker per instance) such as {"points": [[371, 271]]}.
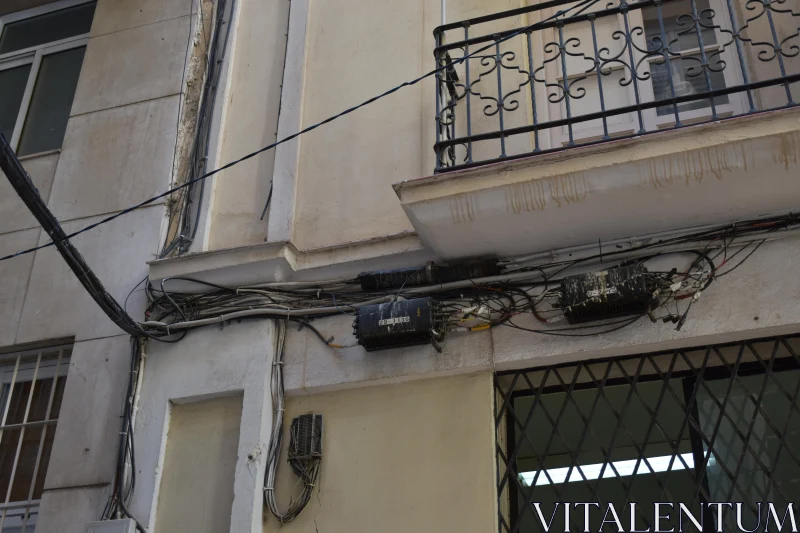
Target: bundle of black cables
{"points": [[125, 484]]}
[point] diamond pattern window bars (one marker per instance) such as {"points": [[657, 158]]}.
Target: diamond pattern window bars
{"points": [[713, 424]]}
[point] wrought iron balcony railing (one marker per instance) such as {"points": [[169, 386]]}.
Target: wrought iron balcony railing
{"points": [[561, 74]]}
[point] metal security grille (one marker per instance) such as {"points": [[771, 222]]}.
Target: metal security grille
{"points": [[712, 424], [31, 388]]}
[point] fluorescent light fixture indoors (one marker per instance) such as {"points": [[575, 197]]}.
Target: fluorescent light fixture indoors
{"points": [[620, 469]]}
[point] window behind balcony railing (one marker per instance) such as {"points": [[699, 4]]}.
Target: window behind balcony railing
{"points": [[562, 74]]}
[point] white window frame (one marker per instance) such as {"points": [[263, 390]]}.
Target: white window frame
{"points": [[628, 123], [33, 56], [732, 75], [20, 367]]}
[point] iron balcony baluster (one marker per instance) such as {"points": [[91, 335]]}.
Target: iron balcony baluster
{"points": [[610, 81]]}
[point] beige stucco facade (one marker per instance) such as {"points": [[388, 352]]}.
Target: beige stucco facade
{"points": [[355, 160], [406, 457], [250, 121], [358, 194], [208, 468]]}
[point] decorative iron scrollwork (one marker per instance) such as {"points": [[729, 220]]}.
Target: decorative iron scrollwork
{"points": [[652, 60]]}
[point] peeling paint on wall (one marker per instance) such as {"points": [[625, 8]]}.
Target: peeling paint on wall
{"points": [[788, 150], [194, 79], [463, 208], [695, 166], [528, 196], [569, 188], [537, 194]]}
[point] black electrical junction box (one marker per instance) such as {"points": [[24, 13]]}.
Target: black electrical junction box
{"points": [[427, 275], [305, 440], [399, 323], [615, 292]]}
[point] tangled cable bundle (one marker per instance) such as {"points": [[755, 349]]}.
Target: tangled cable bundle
{"points": [[523, 287]]}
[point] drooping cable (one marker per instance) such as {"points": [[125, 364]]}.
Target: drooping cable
{"points": [[27, 191], [471, 304]]}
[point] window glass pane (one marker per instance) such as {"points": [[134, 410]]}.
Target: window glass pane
{"points": [[688, 78], [582, 430], [23, 477], [47, 28], [679, 26], [12, 87], [708, 425], [8, 452], [51, 102], [766, 468]]}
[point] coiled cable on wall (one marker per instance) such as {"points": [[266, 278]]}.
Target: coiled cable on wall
{"points": [[307, 470]]}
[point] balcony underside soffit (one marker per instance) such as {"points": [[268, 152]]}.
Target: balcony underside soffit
{"points": [[707, 174]]}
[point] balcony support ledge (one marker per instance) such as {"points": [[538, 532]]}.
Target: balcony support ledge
{"points": [[282, 261], [705, 174]]}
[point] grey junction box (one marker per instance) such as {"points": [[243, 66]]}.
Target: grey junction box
{"points": [[125, 525]]}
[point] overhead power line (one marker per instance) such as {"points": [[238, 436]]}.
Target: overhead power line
{"points": [[22, 183], [583, 5]]}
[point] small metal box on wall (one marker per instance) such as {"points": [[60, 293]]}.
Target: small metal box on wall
{"points": [[125, 525]]}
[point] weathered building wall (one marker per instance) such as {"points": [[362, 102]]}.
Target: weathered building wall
{"points": [[758, 299], [196, 493], [332, 189], [408, 457], [249, 121], [209, 363], [118, 149], [399, 457], [339, 187]]}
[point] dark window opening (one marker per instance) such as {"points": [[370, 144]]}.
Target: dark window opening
{"points": [[51, 102], [718, 424], [31, 390], [41, 62], [47, 28]]}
